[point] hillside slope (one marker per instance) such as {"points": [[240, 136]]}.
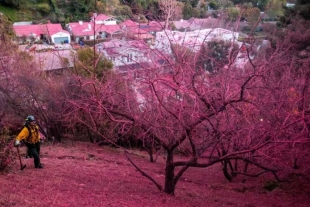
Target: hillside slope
{"points": [[89, 175]]}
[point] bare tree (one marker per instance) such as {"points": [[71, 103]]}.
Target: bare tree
{"points": [[251, 119], [170, 8]]}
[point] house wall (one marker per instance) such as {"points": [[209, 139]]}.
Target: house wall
{"points": [[192, 39], [128, 57], [28, 39], [103, 35], [91, 37]]}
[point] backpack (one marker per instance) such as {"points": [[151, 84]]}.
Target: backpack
{"points": [[36, 129], [24, 142], [29, 130]]}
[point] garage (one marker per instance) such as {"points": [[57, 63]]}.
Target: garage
{"points": [[59, 40], [61, 37]]}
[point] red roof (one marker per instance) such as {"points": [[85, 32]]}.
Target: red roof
{"points": [[137, 30], [38, 29], [87, 28], [129, 23], [152, 26], [81, 29], [156, 26], [111, 29], [102, 17]]}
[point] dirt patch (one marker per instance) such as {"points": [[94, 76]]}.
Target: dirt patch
{"points": [[89, 175]]}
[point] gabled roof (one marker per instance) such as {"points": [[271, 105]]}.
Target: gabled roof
{"points": [[142, 28], [181, 24], [53, 60], [152, 26], [129, 23], [88, 28], [205, 23], [102, 17], [110, 29], [38, 29], [197, 24], [158, 25], [137, 30], [81, 28], [117, 47]]}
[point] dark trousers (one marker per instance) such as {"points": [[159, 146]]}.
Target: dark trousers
{"points": [[34, 151]]}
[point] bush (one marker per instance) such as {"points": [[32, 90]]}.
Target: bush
{"points": [[43, 8], [6, 150], [271, 185], [123, 11]]}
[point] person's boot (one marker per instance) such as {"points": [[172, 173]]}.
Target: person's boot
{"points": [[40, 166]]}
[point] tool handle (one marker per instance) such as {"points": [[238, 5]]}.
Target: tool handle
{"points": [[20, 159]]}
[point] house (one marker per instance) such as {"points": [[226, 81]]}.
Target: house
{"points": [[122, 52], [152, 27], [130, 57], [133, 30], [128, 26], [140, 34], [54, 61], [192, 39], [128, 23], [196, 24], [181, 25], [110, 32], [103, 19], [91, 30], [205, 23], [51, 33], [141, 31]]}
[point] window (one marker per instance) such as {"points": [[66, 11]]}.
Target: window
{"points": [[137, 74], [178, 95], [129, 58]]}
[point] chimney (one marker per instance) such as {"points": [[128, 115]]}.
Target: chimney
{"points": [[80, 22]]}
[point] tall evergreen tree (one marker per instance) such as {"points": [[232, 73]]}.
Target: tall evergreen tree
{"points": [[301, 8]]}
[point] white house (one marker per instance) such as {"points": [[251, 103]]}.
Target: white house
{"points": [[54, 60], [103, 19], [130, 58], [91, 30], [192, 39], [52, 33], [122, 52]]}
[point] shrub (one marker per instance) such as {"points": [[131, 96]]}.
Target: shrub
{"points": [[6, 150], [271, 185], [43, 8]]}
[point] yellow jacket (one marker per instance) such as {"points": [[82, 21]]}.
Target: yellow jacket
{"points": [[34, 138]]}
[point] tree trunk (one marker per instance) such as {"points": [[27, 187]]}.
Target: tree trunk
{"points": [[150, 151], [169, 177]]}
